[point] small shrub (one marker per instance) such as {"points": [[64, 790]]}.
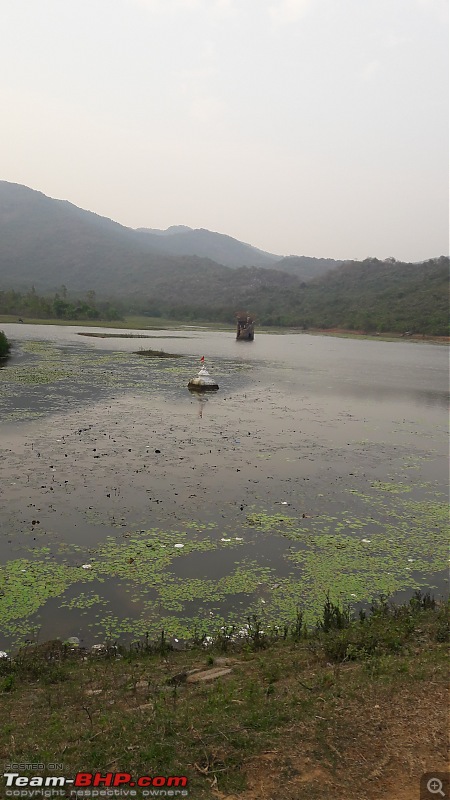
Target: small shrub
{"points": [[334, 617], [299, 629], [8, 683], [255, 634], [442, 629], [422, 602], [225, 638], [5, 345]]}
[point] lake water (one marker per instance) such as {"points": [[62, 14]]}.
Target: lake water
{"points": [[128, 505]]}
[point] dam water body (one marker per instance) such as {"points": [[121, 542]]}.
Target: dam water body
{"points": [[128, 505]]}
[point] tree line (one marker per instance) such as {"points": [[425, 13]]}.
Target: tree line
{"points": [[56, 306], [370, 296]]}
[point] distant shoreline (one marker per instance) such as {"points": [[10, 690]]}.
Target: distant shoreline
{"points": [[153, 323], [385, 336]]}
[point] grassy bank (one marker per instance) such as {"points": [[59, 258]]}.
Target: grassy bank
{"points": [[293, 714], [133, 322]]}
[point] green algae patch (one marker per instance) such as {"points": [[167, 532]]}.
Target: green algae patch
{"points": [[270, 522], [84, 601], [245, 579], [26, 585], [399, 544], [139, 565], [394, 488], [42, 374]]}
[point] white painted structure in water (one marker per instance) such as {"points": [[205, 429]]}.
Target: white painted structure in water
{"points": [[203, 382]]}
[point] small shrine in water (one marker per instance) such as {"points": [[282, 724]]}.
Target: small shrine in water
{"points": [[203, 382]]}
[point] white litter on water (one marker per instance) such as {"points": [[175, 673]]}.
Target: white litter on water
{"points": [[366, 541], [225, 540], [86, 566], [3, 654], [178, 545]]}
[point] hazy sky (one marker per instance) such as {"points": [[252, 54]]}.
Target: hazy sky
{"points": [[314, 127]]}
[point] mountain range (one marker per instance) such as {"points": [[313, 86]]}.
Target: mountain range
{"points": [[47, 243], [182, 273]]}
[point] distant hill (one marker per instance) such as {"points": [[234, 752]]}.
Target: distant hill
{"points": [[49, 243], [179, 240], [305, 267], [375, 295]]}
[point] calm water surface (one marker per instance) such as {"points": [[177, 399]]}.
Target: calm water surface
{"points": [[320, 465]]}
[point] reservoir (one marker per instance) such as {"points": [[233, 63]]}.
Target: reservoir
{"points": [[129, 506]]}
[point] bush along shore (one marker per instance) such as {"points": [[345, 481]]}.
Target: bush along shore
{"points": [[253, 713], [5, 345]]}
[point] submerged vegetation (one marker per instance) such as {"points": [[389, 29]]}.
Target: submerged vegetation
{"points": [[156, 354]]}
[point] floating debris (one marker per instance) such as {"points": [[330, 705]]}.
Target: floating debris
{"points": [[98, 648], [73, 641]]}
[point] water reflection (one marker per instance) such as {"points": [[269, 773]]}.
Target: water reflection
{"points": [[201, 399], [383, 393]]}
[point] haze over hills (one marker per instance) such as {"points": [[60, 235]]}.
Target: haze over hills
{"points": [[180, 240], [50, 244], [307, 268]]}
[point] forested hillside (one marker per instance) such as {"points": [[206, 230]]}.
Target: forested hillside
{"points": [[48, 243], [380, 296], [305, 267], [372, 296]]}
